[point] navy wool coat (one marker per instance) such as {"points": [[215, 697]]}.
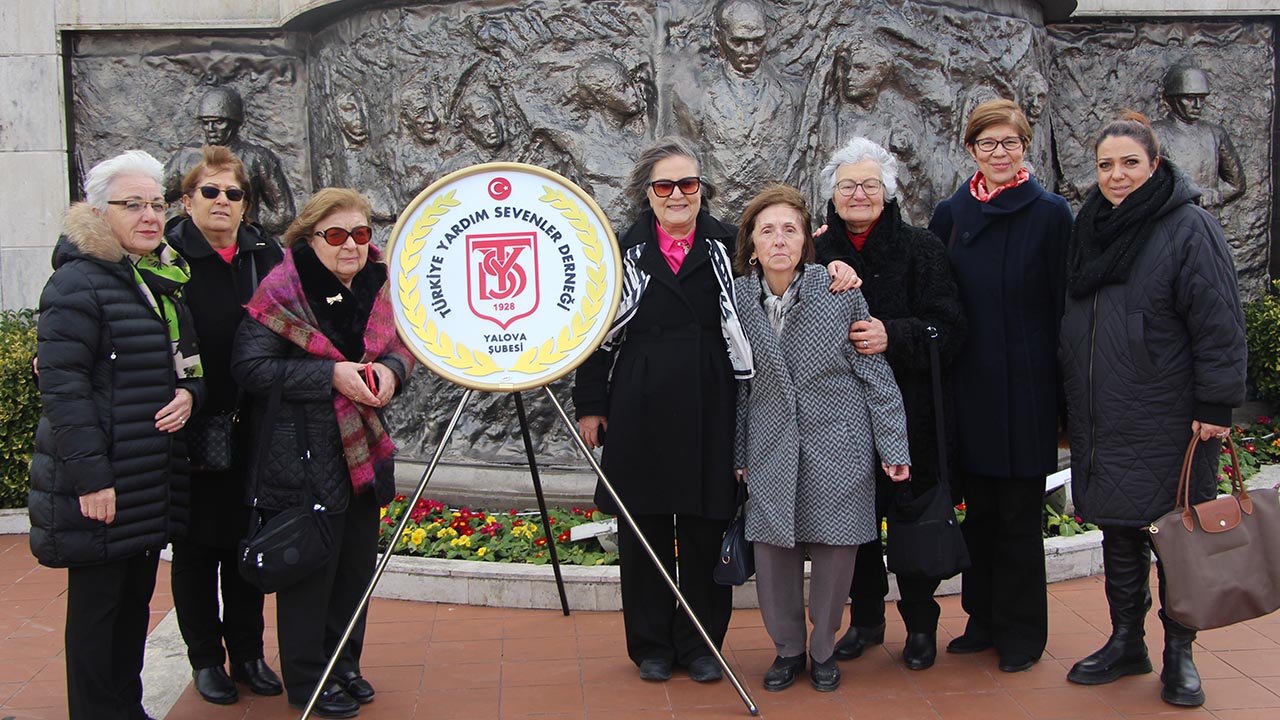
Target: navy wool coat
{"points": [[813, 418], [1145, 358], [1009, 259]]}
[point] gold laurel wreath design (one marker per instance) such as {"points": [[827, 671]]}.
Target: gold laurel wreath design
{"points": [[456, 355], [538, 359]]}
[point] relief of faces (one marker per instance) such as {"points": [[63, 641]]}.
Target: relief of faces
{"points": [[1187, 108], [418, 114], [481, 120], [740, 31], [604, 81], [352, 120], [863, 71]]}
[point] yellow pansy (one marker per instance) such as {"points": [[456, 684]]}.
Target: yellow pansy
{"points": [[417, 536]]}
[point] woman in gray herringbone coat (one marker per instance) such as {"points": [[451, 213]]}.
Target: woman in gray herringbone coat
{"points": [[810, 424]]}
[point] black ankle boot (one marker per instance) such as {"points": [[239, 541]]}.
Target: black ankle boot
{"points": [[1180, 677], [1126, 564]]}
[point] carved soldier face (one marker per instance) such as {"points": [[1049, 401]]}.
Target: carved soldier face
{"points": [[218, 130], [1187, 108], [866, 68], [352, 121], [482, 121], [740, 29]]}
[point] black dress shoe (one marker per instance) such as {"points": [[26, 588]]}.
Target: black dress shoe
{"points": [[214, 686], [857, 639], [1016, 662], [357, 687], [334, 702], [782, 673], [705, 669], [966, 644], [655, 670], [259, 676], [824, 676], [920, 651]]}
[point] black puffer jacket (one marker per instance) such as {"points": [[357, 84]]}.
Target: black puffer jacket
{"points": [[292, 459], [908, 286], [1143, 359], [106, 369]]}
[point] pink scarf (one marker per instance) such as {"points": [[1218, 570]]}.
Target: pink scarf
{"points": [[978, 185]]}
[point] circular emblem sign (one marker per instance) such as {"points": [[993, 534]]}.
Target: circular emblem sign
{"points": [[505, 276]]}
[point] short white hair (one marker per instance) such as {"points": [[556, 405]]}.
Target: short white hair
{"points": [[855, 151], [97, 184]]}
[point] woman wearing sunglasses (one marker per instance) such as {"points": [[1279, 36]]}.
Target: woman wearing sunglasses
{"points": [[662, 386], [315, 324], [228, 257], [1006, 238]]}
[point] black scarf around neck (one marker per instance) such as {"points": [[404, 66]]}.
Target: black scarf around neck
{"points": [[1106, 240]]}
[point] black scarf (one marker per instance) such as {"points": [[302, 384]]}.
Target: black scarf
{"points": [[1106, 240]]}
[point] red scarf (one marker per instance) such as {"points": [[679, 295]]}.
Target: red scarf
{"points": [[859, 240], [281, 305], [978, 185]]}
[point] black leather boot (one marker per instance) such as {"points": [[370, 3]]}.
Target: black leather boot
{"points": [[1126, 565], [1180, 677]]}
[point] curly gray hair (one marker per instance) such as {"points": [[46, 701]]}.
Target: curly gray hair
{"points": [[855, 151]]}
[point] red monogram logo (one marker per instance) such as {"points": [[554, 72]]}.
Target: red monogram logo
{"points": [[502, 276]]}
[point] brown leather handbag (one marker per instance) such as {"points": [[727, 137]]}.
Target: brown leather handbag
{"points": [[1221, 558]]}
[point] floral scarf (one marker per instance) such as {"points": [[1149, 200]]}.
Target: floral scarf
{"points": [[160, 276], [978, 185], [281, 306]]}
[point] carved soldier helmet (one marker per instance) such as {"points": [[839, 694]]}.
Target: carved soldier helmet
{"points": [[222, 102], [1185, 79]]}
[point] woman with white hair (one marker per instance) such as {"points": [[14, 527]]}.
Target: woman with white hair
{"points": [[912, 296], [119, 374]]}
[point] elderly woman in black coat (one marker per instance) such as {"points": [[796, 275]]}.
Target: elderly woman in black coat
{"points": [[1153, 353], [119, 375], [912, 296], [228, 257], [1006, 237], [316, 325], [815, 424], [658, 396]]}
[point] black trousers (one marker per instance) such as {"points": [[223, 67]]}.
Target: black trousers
{"points": [[870, 584], [311, 615], [108, 610], [195, 576], [1004, 590], [657, 629]]}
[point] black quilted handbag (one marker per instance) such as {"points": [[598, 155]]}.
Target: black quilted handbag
{"points": [[211, 441], [737, 559]]}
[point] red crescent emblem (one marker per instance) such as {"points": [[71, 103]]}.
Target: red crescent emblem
{"points": [[499, 188]]}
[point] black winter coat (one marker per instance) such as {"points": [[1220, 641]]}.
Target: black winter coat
{"points": [[291, 459], [106, 369], [1143, 359], [668, 391], [907, 282], [1008, 257], [216, 296]]}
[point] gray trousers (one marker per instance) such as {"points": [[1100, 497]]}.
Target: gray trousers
{"points": [[780, 588]]}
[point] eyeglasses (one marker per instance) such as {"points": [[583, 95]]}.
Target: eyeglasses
{"points": [[137, 206], [336, 236], [211, 193], [870, 186], [688, 186], [1010, 143]]}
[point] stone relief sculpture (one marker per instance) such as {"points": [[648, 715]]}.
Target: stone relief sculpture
{"points": [[388, 97], [1201, 148], [221, 113], [1166, 71]]}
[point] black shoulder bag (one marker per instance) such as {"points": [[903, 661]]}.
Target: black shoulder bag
{"points": [[292, 544], [737, 559], [924, 537]]}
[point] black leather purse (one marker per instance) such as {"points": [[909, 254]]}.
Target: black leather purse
{"points": [[737, 559], [924, 536], [288, 546]]}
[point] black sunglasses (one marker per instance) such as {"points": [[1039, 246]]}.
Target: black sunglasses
{"points": [[688, 186], [335, 236], [211, 193]]}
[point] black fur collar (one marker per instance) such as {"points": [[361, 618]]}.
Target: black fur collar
{"points": [[341, 312]]}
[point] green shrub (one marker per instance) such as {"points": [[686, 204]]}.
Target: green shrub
{"points": [[1262, 330], [19, 405]]}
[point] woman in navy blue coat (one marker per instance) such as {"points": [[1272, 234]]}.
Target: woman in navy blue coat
{"points": [[1006, 237]]}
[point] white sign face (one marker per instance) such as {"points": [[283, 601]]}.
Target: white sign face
{"points": [[505, 276]]}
